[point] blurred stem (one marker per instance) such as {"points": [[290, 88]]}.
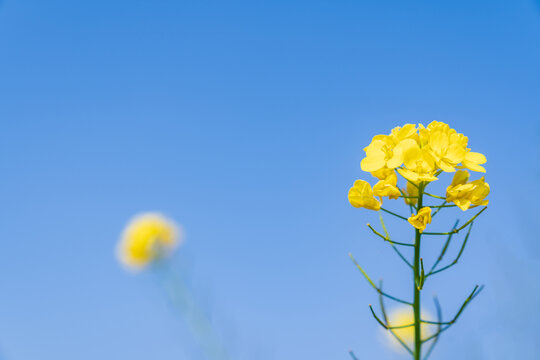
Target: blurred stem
{"points": [[193, 314], [417, 269]]}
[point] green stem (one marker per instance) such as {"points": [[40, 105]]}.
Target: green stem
{"points": [[416, 269], [393, 213]]}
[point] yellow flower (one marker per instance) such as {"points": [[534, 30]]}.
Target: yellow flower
{"points": [[361, 195], [383, 173], [387, 187], [403, 316], [419, 164], [473, 160], [446, 145], [385, 151], [421, 219], [379, 154], [447, 149], [407, 131], [464, 193], [147, 237], [410, 190]]}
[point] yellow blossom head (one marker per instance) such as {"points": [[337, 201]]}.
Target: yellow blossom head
{"points": [[464, 193], [404, 316], [419, 163], [387, 187], [361, 195], [419, 154], [421, 219], [147, 237]]}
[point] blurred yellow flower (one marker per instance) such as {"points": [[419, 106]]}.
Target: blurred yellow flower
{"points": [[361, 195], [147, 237], [464, 193], [403, 316], [387, 187], [421, 219]]}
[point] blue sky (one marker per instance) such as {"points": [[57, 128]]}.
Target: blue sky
{"points": [[245, 121]]}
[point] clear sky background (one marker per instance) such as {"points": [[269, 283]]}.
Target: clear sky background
{"points": [[245, 121]]}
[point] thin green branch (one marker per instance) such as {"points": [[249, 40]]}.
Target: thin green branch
{"points": [[408, 197], [439, 318], [439, 209], [377, 318], [391, 328], [387, 235], [433, 272], [441, 206], [387, 238], [420, 282], [375, 286], [435, 196], [377, 233], [445, 247], [455, 231], [396, 215], [471, 296], [352, 355]]}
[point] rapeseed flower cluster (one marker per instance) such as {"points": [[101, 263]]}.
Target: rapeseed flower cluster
{"points": [[147, 238], [420, 154]]}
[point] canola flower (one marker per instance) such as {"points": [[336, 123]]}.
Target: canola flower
{"points": [[361, 195], [400, 318], [464, 193], [421, 219], [418, 155], [147, 238]]}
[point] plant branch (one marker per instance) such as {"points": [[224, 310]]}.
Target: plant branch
{"points": [[471, 296], [375, 286], [439, 318], [455, 231], [431, 272], [408, 197], [443, 251], [386, 238], [441, 206], [390, 328], [387, 235], [396, 215], [435, 196], [439, 209]]}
